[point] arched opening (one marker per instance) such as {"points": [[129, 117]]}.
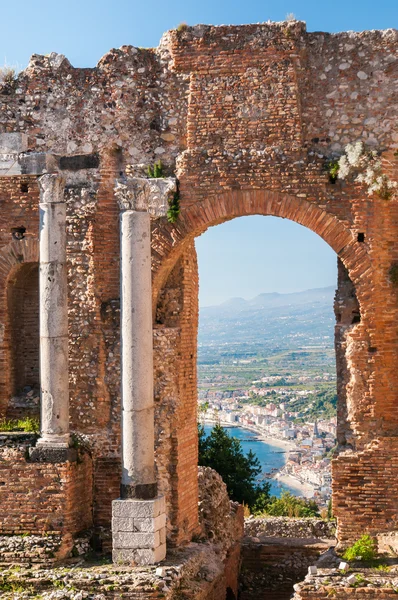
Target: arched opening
{"points": [[176, 303], [23, 337], [272, 338]]}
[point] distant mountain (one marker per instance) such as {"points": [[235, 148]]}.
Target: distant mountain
{"points": [[273, 299], [297, 319]]}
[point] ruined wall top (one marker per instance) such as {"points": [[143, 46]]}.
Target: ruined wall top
{"points": [[139, 100]]}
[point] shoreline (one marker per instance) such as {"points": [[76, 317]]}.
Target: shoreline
{"points": [[306, 489], [262, 436]]}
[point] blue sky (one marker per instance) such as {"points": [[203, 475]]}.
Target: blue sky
{"points": [[246, 256], [84, 30]]}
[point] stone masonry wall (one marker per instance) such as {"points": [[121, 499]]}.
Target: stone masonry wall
{"points": [[23, 308], [175, 394], [347, 314], [246, 117], [276, 554], [43, 498]]}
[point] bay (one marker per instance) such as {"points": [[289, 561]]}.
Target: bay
{"points": [[270, 456]]}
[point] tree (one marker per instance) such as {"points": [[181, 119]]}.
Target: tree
{"points": [[289, 505], [239, 472]]}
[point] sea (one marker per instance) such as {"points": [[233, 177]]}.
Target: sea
{"points": [[270, 456]]}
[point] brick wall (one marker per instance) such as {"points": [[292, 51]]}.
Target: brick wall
{"points": [[23, 311], [18, 288], [43, 497], [175, 345], [365, 492]]}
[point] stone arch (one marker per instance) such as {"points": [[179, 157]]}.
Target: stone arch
{"points": [[173, 258], [169, 241], [19, 326]]}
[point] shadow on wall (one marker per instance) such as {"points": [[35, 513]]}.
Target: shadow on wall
{"points": [[23, 341]]}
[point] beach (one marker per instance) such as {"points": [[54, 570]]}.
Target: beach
{"points": [[305, 489], [284, 444], [279, 476]]}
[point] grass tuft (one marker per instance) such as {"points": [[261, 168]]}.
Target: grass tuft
{"points": [[29, 425]]}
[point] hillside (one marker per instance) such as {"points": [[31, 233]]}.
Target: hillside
{"points": [[268, 323]]}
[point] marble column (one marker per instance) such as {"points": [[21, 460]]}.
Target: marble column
{"points": [[54, 384], [138, 470], [139, 516]]}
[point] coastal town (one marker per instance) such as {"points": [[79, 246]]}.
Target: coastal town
{"points": [[277, 415]]}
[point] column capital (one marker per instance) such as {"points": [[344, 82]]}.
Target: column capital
{"points": [[51, 188], [145, 195]]}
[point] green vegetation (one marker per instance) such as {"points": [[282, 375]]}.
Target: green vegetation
{"points": [[329, 511], [322, 406], [174, 207], [156, 171], [29, 425], [393, 274], [365, 548], [7, 74], [383, 568], [14, 585], [290, 506], [332, 167], [224, 454], [182, 27], [360, 580]]}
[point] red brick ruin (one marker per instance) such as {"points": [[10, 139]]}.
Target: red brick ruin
{"points": [[246, 118]]}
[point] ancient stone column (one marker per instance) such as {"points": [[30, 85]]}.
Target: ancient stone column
{"points": [[139, 516], [54, 384]]}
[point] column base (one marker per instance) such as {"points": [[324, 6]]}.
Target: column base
{"points": [[139, 531], [52, 454], [144, 491], [53, 440]]}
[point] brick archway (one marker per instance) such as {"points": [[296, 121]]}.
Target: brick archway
{"points": [[17, 259], [169, 241], [174, 273]]}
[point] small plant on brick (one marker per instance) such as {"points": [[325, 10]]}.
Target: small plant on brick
{"points": [[182, 27], [156, 170], [365, 549], [29, 425], [393, 274], [174, 207], [332, 167], [360, 580], [8, 75], [59, 584], [366, 167], [383, 568]]}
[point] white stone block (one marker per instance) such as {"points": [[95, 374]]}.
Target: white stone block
{"points": [[9, 166], [13, 143], [148, 525], [351, 579], [139, 509], [126, 539], [143, 525], [139, 531], [312, 570], [139, 556], [343, 566], [122, 524]]}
